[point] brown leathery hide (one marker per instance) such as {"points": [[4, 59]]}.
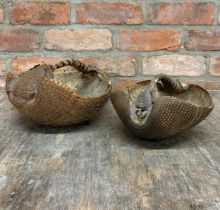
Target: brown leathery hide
{"points": [[161, 108], [69, 92]]}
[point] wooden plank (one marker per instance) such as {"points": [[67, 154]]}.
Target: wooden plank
{"points": [[103, 166]]}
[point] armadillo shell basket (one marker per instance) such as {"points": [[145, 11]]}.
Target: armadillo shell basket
{"points": [[161, 108], [69, 92]]}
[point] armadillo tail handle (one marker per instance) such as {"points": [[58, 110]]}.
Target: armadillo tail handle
{"points": [[76, 64], [171, 84]]}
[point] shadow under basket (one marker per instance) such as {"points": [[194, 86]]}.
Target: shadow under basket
{"points": [[69, 92], [161, 108]]}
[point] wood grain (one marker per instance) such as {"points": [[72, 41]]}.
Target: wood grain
{"points": [[102, 166]]}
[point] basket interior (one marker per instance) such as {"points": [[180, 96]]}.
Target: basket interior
{"points": [[194, 94], [90, 85]]}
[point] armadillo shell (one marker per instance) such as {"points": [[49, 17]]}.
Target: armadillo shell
{"points": [[170, 114], [51, 101]]}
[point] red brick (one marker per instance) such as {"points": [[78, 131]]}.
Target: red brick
{"points": [[1, 15], [203, 40], [22, 64], [41, 13], [176, 65], [124, 84], [114, 66], [18, 40], [208, 85], [181, 13], [215, 66], [2, 84], [2, 73], [2, 67], [109, 13], [79, 39], [148, 40]]}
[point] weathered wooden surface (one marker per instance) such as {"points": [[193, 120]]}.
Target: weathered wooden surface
{"points": [[102, 166]]}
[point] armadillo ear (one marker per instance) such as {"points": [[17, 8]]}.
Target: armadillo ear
{"points": [[10, 82], [22, 89]]}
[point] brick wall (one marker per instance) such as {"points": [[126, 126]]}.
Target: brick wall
{"points": [[127, 39]]}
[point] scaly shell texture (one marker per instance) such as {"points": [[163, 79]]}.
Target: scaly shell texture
{"points": [[69, 92], [161, 108]]}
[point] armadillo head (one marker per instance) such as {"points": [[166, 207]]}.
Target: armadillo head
{"points": [[23, 88], [143, 103]]}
